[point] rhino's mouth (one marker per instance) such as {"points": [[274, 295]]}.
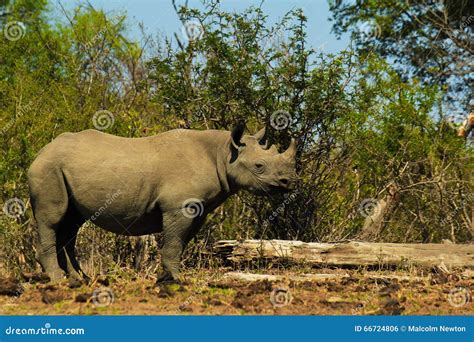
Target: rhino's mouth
{"points": [[268, 190], [279, 189]]}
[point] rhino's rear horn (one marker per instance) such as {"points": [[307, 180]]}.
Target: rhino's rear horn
{"points": [[290, 153], [261, 137]]}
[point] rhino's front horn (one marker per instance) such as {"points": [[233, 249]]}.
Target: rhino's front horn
{"points": [[290, 153]]}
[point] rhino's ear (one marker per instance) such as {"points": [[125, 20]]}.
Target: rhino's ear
{"points": [[236, 135], [261, 137]]}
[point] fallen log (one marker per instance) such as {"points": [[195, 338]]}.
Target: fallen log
{"points": [[352, 253], [253, 277]]}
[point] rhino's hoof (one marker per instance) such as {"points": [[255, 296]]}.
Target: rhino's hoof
{"points": [[56, 276], [86, 279], [74, 283], [167, 277], [76, 279]]}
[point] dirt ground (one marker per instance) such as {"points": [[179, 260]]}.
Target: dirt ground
{"points": [[352, 292]]}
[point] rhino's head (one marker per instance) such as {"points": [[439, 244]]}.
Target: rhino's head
{"points": [[255, 167]]}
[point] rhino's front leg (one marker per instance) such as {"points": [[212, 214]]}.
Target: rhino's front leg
{"points": [[176, 228]]}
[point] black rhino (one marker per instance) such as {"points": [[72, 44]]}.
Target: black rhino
{"points": [[134, 186]]}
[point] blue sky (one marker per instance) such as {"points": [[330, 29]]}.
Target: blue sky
{"points": [[158, 16]]}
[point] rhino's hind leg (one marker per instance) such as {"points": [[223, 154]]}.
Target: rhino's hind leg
{"points": [[49, 201], [66, 242], [46, 252]]}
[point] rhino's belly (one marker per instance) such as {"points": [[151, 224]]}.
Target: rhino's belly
{"points": [[127, 206], [120, 214], [148, 223]]}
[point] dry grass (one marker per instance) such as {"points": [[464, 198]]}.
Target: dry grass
{"points": [[208, 292]]}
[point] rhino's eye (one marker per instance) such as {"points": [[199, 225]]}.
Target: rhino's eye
{"points": [[259, 167]]}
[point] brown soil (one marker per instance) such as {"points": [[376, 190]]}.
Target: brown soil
{"points": [[207, 293]]}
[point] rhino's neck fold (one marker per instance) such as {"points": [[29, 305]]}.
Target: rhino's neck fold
{"points": [[221, 163]]}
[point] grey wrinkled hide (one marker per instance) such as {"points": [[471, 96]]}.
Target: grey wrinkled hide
{"points": [[136, 186]]}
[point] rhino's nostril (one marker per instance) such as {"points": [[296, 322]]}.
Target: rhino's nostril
{"points": [[284, 181]]}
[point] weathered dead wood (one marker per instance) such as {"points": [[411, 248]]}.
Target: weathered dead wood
{"points": [[321, 277], [250, 277], [348, 253], [469, 274]]}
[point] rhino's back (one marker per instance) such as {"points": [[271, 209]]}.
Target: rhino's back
{"points": [[101, 172], [132, 176], [91, 150], [99, 156]]}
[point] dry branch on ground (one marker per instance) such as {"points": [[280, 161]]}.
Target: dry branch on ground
{"points": [[352, 253]]}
